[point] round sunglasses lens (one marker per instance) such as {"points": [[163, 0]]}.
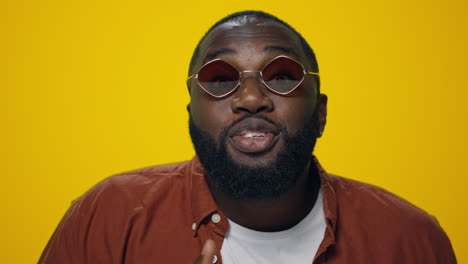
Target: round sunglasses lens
{"points": [[283, 75], [218, 78]]}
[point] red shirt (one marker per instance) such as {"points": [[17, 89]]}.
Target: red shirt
{"points": [[164, 214]]}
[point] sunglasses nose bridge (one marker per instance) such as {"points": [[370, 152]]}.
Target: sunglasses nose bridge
{"points": [[250, 74]]}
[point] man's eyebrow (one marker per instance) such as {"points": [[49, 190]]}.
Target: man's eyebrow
{"points": [[216, 53], [280, 49]]}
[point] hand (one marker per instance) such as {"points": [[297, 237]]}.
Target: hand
{"points": [[207, 253]]}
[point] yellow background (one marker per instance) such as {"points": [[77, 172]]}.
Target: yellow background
{"points": [[94, 88]]}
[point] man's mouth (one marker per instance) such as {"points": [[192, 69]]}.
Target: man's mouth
{"points": [[254, 135]]}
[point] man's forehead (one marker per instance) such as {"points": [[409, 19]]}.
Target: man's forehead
{"points": [[266, 35]]}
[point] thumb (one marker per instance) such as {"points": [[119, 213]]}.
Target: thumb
{"points": [[207, 253], [209, 249]]}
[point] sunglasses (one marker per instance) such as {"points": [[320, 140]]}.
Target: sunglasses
{"points": [[282, 75]]}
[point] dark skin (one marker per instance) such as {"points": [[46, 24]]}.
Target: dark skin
{"points": [[249, 46]]}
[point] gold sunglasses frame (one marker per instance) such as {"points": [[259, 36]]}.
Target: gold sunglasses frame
{"points": [[195, 76]]}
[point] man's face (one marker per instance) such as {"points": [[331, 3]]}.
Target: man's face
{"points": [[253, 125]]}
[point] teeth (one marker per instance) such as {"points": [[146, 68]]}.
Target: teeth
{"points": [[253, 134]]}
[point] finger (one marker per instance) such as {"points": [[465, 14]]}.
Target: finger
{"points": [[207, 253], [209, 248]]}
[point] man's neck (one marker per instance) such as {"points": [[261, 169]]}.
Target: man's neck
{"points": [[276, 214]]}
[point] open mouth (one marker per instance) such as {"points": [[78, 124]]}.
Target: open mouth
{"points": [[254, 135]]}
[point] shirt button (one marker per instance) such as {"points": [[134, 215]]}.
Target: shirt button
{"points": [[215, 259], [194, 226], [216, 219]]}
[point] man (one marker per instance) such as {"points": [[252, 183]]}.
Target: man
{"points": [[254, 193]]}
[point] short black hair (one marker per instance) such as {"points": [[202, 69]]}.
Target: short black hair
{"points": [[258, 14]]}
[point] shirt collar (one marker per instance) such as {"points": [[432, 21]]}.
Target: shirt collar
{"points": [[329, 203], [203, 204]]}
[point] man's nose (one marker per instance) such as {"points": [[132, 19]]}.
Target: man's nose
{"points": [[251, 97]]}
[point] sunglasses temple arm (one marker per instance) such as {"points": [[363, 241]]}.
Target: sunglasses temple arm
{"points": [[192, 76], [314, 73]]}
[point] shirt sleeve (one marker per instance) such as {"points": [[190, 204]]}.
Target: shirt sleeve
{"points": [[439, 244]]}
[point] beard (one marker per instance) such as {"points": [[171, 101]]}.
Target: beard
{"points": [[261, 182]]}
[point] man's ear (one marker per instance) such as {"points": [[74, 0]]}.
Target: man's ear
{"points": [[190, 94], [322, 108], [188, 87]]}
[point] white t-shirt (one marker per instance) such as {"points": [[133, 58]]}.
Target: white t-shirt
{"points": [[296, 245]]}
